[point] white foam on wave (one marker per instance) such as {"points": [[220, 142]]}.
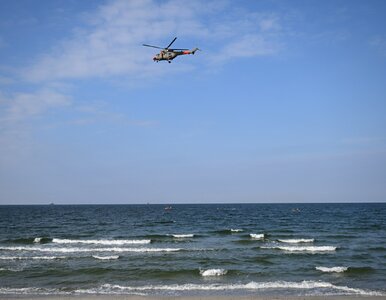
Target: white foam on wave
{"points": [[320, 287], [332, 269], [37, 240], [31, 291], [111, 257], [31, 257], [296, 241], [303, 285], [312, 249], [10, 270], [101, 242], [213, 272], [257, 236], [237, 230], [182, 236], [71, 250]]}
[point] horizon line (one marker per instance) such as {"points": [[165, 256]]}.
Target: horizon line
{"points": [[189, 203]]}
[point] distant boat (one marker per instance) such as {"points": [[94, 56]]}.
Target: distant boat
{"points": [[168, 208], [52, 203]]}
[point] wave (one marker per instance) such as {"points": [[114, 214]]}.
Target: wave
{"points": [[182, 236], [31, 257], [378, 248], [111, 257], [332, 269], [296, 241], [32, 291], [30, 240], [71, 250], [101, 242], [303, 285], [360, 270], [257, 236], [10, 270], [303, 248], [213, 272], [165, 222], [319, 286], [228, 231]]}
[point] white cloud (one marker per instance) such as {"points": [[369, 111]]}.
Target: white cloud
{"points": [[269, 24], [109, 45], [247, 46], [21, 106], [16, 112]]}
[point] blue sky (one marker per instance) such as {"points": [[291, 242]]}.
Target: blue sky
{"points": [[286, 102]]}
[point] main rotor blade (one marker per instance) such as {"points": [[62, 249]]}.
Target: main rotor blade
{"points": [[171, 43], [151, 46]]}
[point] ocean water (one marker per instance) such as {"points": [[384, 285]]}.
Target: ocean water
{"points": [[216, 249]]}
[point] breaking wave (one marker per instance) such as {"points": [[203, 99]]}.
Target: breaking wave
{"points": [[111, 257], [10, 270], [304, 285], [257, 236], [31, 257], [332, 269], [213, 272], [71, 250], [101, 242], [296, 241], [182, 236], [303, 248], [320, 287]]}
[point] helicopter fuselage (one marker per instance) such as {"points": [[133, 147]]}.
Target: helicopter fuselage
{"points": [[169, 55]]}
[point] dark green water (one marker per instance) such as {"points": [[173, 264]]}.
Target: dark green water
{"points": [[263, 249]]}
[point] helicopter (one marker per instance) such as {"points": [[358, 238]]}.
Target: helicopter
{"points": [[170, 54]]}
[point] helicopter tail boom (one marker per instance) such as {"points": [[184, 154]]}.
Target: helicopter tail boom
{"points": [[190, 51]]}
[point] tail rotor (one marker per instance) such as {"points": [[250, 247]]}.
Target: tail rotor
{"points": [[194, 50]]}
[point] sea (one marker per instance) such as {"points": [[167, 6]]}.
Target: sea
{"points": [[194, 250]]}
